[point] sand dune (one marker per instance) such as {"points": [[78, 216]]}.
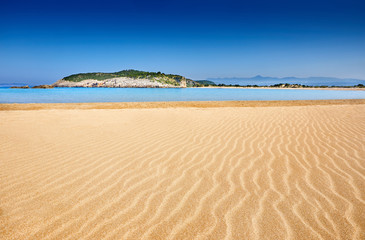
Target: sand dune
{"points": [[294, 172]]}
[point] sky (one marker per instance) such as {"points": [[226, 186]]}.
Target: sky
{"points": [[43, 41]]}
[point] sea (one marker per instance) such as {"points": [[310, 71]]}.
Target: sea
{"points": [[78, 95]]}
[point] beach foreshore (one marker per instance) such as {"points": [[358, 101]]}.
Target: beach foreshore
{"points": [[183, 170], [197, 104]]}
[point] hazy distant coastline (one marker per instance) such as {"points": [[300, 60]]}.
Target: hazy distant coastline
{"points": [[267, 81]]}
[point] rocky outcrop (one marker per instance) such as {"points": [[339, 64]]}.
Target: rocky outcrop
{"points": [[22, 87], [121, 82], [43, 86]]}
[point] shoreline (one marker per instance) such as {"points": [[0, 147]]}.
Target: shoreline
{"points": [[182, 104], [291, 88], [350, 88]]}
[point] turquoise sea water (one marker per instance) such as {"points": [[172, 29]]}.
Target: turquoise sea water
{"points": [[68, 95]]}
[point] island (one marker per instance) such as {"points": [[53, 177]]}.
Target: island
{"points": [[126, 79], [141, 79]]}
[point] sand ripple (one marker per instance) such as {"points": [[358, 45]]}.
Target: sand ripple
{"points": [[183, 173]]}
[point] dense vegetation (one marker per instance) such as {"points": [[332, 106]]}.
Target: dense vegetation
{"points": [[156, 76], [205, 83]]}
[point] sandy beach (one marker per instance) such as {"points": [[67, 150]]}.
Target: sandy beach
{"points": [[208, 170]]}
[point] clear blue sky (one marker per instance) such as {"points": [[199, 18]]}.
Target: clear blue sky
{"points": [[43, 41]]}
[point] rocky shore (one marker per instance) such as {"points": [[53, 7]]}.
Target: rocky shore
{"points": [[43, 86], [121, 82]]}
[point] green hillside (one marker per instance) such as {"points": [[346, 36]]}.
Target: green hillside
{"points": [[205, 83], [156, 76]]}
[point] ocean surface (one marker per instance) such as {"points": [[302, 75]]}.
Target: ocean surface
{"points": [[74, 95]]}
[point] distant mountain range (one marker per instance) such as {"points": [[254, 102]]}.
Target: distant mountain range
{"points": [[311, 81]]}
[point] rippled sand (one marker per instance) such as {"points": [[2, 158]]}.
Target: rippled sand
{"points": [[294, 172]]}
